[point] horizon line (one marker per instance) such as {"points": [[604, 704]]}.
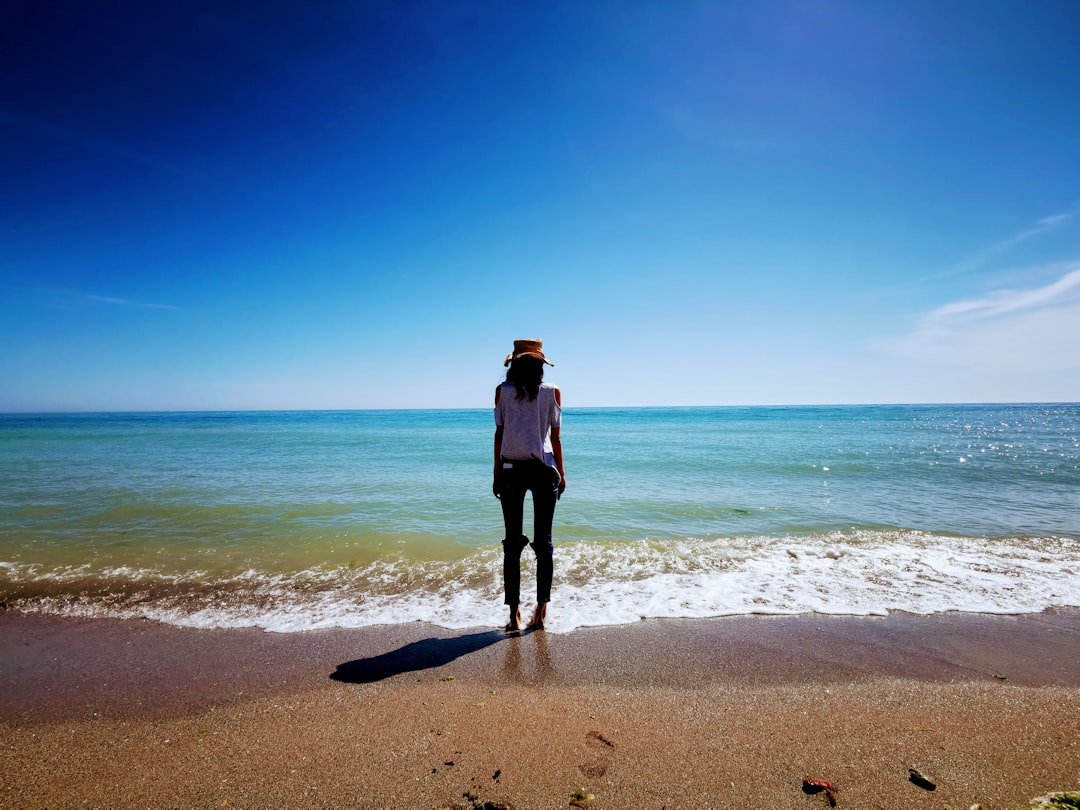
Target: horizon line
{"points": [[136, 412]]}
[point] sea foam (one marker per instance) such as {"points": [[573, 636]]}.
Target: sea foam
{"points": [[861, 573]]}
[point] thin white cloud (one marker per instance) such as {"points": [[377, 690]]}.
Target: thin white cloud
{"points": [[978, 260], [1018, 330], [1044, 225], [1005, 301], [108, 299], [1053, 221]]}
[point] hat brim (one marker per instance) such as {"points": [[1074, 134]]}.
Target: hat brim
{"points": [[538, 355]]}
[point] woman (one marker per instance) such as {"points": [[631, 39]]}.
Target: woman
{"points": [[528, 458]]}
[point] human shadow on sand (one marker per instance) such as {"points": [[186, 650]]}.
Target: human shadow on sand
{"points": [[425, 654]]}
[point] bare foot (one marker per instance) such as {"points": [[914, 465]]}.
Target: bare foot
{"points": [[537, 620], [514, 625]]}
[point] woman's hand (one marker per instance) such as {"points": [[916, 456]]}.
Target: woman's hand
{"points": [[495, 483], [562, 485]]}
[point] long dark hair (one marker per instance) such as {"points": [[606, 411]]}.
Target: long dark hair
{"points": [[526, 373]]}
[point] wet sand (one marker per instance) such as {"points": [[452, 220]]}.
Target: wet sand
{"points": [[724, 713]]}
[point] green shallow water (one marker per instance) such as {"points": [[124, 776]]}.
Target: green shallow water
{"points": [[180, 509]]}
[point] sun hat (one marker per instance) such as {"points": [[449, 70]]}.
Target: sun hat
{"points": [[527, 348]]}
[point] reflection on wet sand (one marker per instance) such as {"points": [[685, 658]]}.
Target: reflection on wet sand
{"points": [[538, 668]]}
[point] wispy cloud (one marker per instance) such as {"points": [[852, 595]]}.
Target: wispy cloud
{"points": [[1053, 221], [1019, 329], [1002, 302], [978, 260], [126, 302], [1044, 225]]}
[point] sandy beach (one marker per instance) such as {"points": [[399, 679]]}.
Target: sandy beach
{"points": [[728, 712]]}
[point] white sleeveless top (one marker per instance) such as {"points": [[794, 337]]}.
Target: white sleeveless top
{"points": [[527, 424]]}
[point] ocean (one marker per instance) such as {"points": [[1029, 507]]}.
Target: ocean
{"points": [[292, 521]]}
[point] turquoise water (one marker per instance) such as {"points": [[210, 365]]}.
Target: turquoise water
{"points": [[296, 520]]}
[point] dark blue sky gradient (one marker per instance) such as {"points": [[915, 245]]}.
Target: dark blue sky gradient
{"points": [[232, 204]]}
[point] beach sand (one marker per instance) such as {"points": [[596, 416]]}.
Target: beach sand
{"points": [[724, 713]]}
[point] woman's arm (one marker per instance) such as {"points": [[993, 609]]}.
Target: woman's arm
{"points": [[556, 446], [498, 450]]}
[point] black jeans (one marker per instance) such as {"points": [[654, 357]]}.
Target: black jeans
{"points": [[514, 481]]}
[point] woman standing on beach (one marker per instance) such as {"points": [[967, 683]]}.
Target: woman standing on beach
{"points": [[528, 457]]}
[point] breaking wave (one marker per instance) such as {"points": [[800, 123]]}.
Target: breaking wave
{"points": [[862, 572]]}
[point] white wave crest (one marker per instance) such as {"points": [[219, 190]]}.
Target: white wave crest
{"points": [[864, 572]]}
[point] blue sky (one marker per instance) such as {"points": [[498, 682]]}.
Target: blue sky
{"points": [[219, 205]]}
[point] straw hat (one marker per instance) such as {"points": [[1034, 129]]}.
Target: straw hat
{"points": [[527, 348]]}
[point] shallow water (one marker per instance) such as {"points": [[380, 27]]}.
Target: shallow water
{"points": [[297, 520]]}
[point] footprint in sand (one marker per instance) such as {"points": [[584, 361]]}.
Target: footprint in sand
{"points": [[597, 765], [598, 740]]}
